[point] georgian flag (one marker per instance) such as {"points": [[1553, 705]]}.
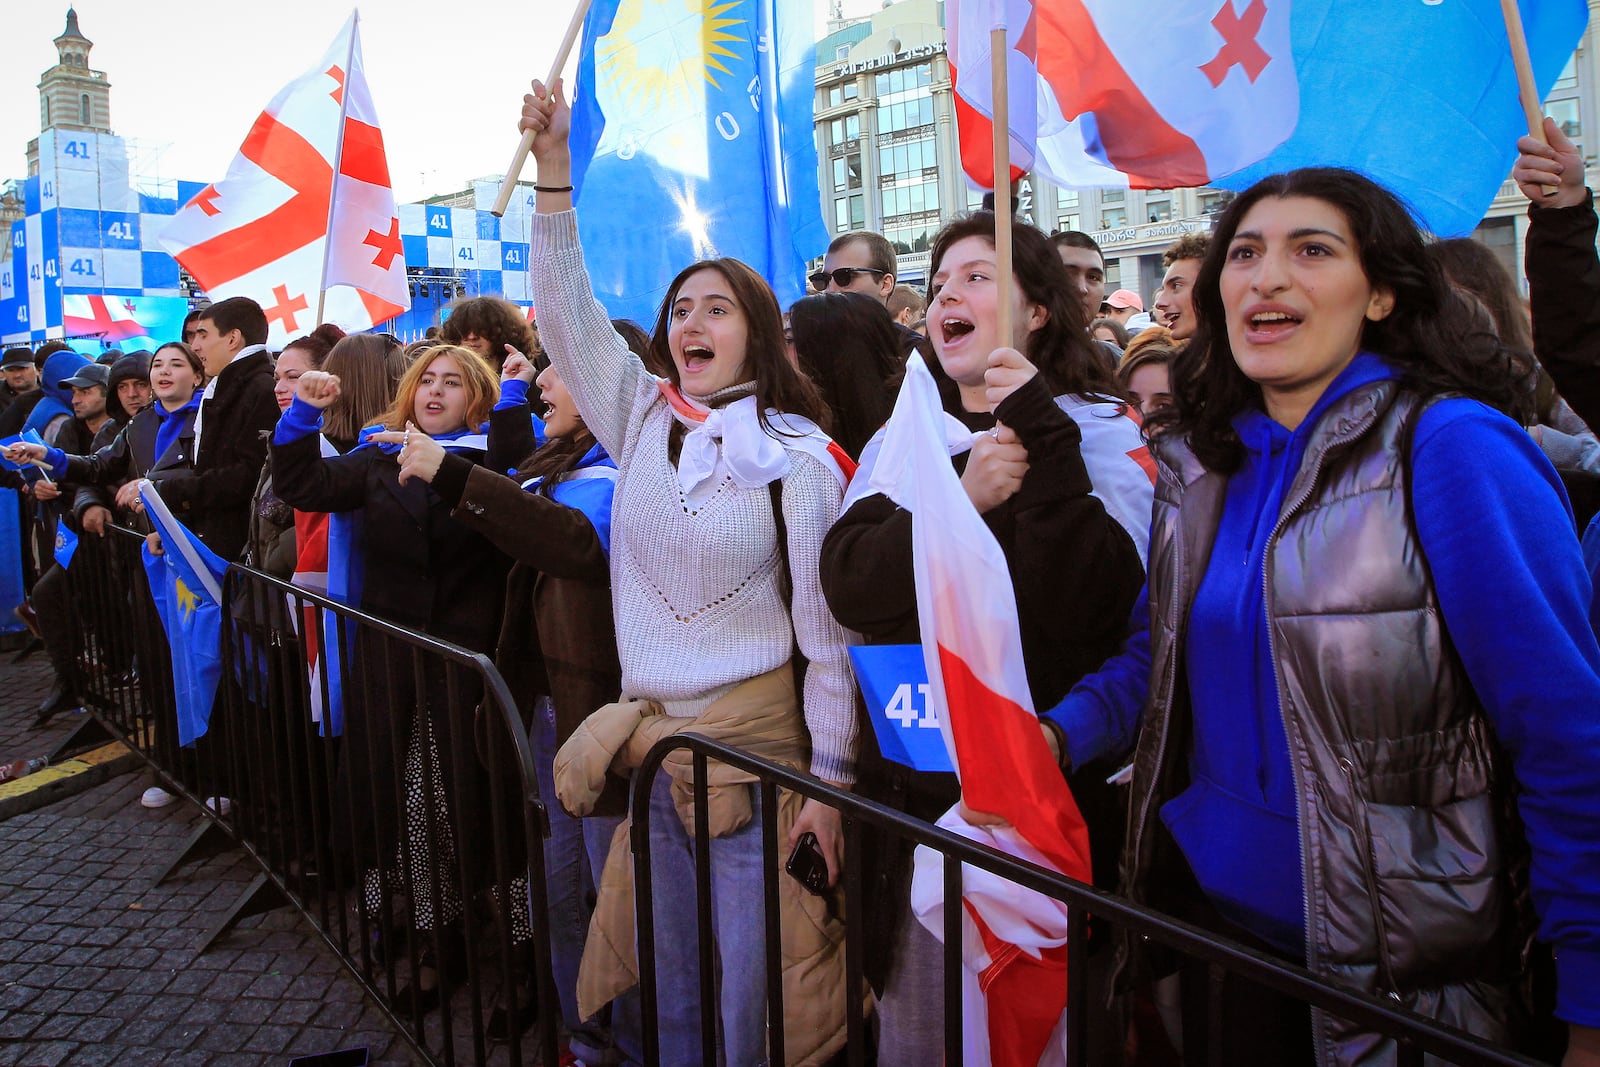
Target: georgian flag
{"points": [[1152, 94], [1014, 978], [281, 227]]}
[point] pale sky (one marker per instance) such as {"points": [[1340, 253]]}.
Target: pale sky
{"points": [[187, 80]]}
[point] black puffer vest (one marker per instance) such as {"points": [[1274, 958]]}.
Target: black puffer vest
{"points": [[1413, 865]]}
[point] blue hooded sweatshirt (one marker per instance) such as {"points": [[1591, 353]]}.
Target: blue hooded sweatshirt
{"points": [[57, 399], [1497, 532]]}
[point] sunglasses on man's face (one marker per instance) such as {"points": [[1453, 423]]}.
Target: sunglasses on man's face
{"points": [[842, 276]]}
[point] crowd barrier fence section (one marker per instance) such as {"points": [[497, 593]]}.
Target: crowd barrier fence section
{"points": [[439, 880], [383, 784], [1419, 1037]]}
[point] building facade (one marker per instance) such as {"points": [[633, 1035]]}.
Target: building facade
{"points": [[72, 96], [889, 159]]}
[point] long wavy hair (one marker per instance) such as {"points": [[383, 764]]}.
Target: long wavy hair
{"points": [[477, 377], [1435, 348], [847, 343], [1060, 348], [779, 384]]}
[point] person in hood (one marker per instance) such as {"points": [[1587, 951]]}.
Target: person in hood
{"points": [[1371, 693]]}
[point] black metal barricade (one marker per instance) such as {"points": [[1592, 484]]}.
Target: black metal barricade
{"points": [[382, 781], [1417, 1036]]}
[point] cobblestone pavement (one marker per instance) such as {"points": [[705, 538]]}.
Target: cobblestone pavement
{"points": [[100, 967]]}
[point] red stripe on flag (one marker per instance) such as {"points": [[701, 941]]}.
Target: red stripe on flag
{"points": [[380, 309], [1086, 76], [1069, 53], [1023, 997], [1006, 769], [841, 457], [290, 158], [362, 157]]}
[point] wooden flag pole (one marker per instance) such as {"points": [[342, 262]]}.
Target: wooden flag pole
{"points": [[1527, 90], [514, 172], [999, 91]]}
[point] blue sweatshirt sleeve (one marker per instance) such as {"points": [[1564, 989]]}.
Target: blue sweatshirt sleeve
{"points": [[1100, 716], [55, 461], [1498, 535], [297, 420], [513, 393]]}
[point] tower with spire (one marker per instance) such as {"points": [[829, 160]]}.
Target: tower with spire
{"points": [[71, 96]]}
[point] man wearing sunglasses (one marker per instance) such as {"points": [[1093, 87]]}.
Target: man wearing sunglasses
{"points": [[860, 262]]}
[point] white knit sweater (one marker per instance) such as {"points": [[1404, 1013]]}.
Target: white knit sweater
{"points": [[696, 593]]}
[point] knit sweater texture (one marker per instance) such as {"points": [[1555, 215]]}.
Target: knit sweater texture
{"points": [[696, 588]]}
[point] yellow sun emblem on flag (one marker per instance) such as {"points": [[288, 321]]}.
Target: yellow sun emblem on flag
{"points": [[188, 600], [657, 49]]}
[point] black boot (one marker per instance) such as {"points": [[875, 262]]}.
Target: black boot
{"points": [[60, 699]]}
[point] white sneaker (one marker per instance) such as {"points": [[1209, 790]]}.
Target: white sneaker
{"points": [[156, 797], [221, 805]]}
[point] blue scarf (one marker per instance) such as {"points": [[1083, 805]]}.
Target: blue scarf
{"points": [[172, 424], [466, 437]]}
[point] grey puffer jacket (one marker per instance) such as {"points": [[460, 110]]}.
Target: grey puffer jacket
{"points": [[1413, 862]]}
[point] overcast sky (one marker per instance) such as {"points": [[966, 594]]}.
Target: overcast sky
{"points": [[187, 80]]}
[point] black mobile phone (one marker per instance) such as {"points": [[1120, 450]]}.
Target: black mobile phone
{"points": [[807, 866]]}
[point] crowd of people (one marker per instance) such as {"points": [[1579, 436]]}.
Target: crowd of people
{"points": [[1337, 634]]}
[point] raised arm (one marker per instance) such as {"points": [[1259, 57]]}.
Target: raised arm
{"points": [[607, 381]]}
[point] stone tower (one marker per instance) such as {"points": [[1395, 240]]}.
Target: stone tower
{"points": [[71, 96]]}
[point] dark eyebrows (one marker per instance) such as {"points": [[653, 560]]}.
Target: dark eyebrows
{"points": [[1294, 235]]}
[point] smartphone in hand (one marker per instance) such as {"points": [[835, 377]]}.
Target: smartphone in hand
{"points": [[807, 866]]}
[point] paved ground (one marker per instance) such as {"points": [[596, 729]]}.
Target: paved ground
{"points": [[97, 966]]}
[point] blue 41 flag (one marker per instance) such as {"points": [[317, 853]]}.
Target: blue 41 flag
{"points": [[692, 138], [186, 583]]}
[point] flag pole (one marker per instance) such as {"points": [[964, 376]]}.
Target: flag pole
{"points": [[338, 161], [999, 87], [514, 172], [1527, 90]]}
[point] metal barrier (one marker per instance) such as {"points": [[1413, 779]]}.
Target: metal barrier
{"points": [[411, 840], [308, 808], [1417, 1036]]}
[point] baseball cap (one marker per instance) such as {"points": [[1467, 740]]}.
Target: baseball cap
{"points": [[17, 357], [93, 374], [1125, 298]]}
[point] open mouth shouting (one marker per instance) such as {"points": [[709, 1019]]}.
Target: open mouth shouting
{"points": [[697, 358], [1265, 324], [954, 328]]}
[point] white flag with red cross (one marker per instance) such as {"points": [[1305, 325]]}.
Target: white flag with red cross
{"points": [[306, 207], [1152, 94]]}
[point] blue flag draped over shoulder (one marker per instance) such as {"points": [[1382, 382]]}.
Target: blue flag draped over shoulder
{"points": [[692, 137], [12, 592], [186, 584], [1420, 96]]}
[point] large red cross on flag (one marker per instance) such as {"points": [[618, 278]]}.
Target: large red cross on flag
{"points": [[282, 226], [1152, 94]]}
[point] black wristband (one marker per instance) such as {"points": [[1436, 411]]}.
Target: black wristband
{"points": [[552, 188]]}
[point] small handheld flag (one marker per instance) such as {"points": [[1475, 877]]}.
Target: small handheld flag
{"points": [[186, 584]]}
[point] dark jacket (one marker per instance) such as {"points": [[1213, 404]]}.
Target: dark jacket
{"points": [[1075, 571], [556, 636], [426, 572], [17, 411], [1412, 856], [1563, 287], [215, 501]]}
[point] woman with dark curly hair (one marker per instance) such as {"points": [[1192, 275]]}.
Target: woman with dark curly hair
{"points": [[489, 326], [1364, 621]]}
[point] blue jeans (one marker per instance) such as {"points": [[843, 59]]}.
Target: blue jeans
{"points": [[738, 927], [574, 855]]}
